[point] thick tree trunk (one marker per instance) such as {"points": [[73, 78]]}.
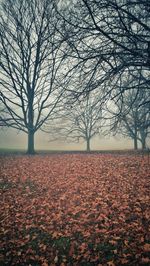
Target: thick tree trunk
{"points": [[143, 139], [135, 143], [143, 144], [88, 145], [30, 142], [30, 124]]}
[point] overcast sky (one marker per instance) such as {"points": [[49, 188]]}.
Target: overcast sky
{"points": [[9, 138]]}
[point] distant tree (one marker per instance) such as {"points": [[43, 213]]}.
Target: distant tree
{"points": [[144, 125], [80, 121], [134, 118], [31, 63]]}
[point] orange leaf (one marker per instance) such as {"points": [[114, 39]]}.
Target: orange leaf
{"points": [[147, 247]]}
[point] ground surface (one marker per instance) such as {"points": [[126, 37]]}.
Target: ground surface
{"points": [[74, 209]]}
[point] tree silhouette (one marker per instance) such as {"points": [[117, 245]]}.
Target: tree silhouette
{"points": [[31, 64]]}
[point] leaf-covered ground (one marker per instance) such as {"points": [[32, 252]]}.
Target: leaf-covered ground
{"points": [[74, 209]]}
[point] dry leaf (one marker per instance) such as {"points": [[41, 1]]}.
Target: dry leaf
{"points": [[146, 247], [110, 263]]}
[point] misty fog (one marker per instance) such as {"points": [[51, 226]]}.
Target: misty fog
{"points": [[11, 139]]}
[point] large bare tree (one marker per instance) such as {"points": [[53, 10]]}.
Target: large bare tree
{"points": [[107, 39], [32, 61]]}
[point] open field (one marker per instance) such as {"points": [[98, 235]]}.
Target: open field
{"points": [[75, 209]]}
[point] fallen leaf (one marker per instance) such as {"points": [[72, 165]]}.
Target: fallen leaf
{"points": [[146, 247], [56, 259], [145, 260], [110, 263]]}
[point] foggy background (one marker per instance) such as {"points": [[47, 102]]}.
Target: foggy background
{"points": [[11, 139]]}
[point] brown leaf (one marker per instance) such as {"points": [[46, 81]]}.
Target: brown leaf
{"points": [[110, 263], [146, 247], [113, 242], [71, 251], [44, 264], [145, 260], [124, 261]]}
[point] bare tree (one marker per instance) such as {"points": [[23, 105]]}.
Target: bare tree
{"points": [[134, 117], [78, 122], [144, 125], [32, 61], [107, 39]]}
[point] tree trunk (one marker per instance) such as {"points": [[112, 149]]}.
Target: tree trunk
{"points": [[88, 145], [30, 123], [143, 139], [30, 142], [143, 144], [135, 143]]}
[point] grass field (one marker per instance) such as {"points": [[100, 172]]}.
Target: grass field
{"points": [[75, 209]]}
